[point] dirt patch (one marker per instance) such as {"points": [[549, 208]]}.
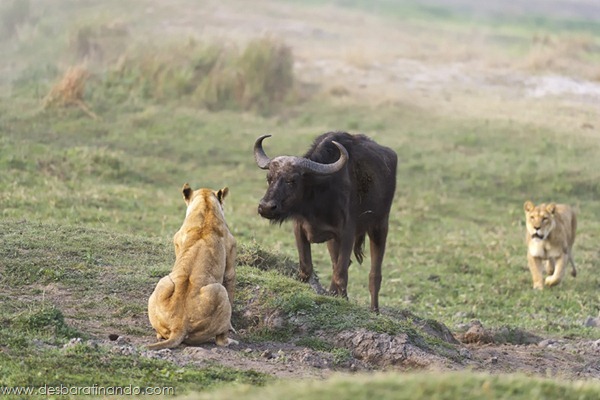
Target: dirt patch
{"points": [[476, 348], [369, 351]]}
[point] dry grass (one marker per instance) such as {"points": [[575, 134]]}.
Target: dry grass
{"points": [[69, 90], [569, 54], [215, 76]]}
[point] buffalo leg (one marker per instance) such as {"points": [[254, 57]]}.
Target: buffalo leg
{"points": [[304, 255], [340, 257], [377, 239]]}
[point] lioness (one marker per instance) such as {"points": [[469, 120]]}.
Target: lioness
{"points": [[193, 303], [550, 236]]}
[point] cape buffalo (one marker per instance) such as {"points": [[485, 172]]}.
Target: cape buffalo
{"points": [[340, 191]]}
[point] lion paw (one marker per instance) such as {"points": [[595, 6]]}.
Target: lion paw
{"points": [[538, 286], [550, 281]]}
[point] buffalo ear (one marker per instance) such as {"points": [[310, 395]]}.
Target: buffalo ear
{"points": [[551, 208], [187, 192], [221, 194], [528, 206]]}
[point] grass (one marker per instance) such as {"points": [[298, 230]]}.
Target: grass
{"points": [[73, 292], [456, 225], [89, 208], [423, 386]]}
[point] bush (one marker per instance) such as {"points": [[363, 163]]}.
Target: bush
{"points": [[267, 67], [213, 76]]}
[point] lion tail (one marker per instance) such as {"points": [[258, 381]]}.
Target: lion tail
{"points": [[359, 248], [173, 341], [573, 269]]}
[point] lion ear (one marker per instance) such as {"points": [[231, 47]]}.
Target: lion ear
{"points": [[187, 192], [221, 194], [550, 208], [528, 206]]}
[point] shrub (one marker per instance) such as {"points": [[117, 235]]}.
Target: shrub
{"points": [[267, 67], [214, 76]]}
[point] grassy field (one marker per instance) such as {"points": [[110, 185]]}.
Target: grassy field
{"points": [[89, 205], [422, 386]]}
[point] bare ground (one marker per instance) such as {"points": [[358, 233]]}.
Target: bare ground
{"points": [[474, 348]]}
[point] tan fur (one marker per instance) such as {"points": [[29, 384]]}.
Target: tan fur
{"points": [[193, 303], [550, 237]]}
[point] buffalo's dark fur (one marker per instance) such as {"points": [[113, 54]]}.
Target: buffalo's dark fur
{"points": [[340, 208]]}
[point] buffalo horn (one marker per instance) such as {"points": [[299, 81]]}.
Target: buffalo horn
{"points": [[326, 169], [259, 154]]}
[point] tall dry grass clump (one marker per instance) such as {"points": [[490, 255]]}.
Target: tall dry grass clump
{"points": [[69, 90], [267, 66], [214, 76], [568, 54], [98, 43]]}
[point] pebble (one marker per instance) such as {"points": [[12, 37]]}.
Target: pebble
{"points": [[73, 342], [464, 352], [267, 354], [546, 342]]}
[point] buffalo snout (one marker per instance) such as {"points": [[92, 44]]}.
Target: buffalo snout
{"points": [[268, 209]]}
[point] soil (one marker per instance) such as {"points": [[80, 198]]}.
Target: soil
{"points": [[356, 55], [474, 348], [571, 359]]}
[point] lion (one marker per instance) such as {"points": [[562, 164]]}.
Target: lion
{"points": [[193, 304], [550, 237]]}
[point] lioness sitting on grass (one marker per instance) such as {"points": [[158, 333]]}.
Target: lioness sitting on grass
{"points": [[550, 236], [193, 303]]}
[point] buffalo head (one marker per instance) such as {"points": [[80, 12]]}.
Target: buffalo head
{"points": [[286, 179]]}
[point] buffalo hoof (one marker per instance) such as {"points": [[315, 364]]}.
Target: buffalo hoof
{"points": [[304, 277], [338, 293]]}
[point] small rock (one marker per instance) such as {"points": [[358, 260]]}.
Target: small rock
{"points": [[477, 334], [73, 342], [460, 314], [546, 342], [126, 350], [592, 322], [122, 340], [464, 352], [267, 354], [494, 360], [164, 352], [196, 352], [248, 350]]}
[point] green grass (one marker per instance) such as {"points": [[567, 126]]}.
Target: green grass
{"points": [[111, 296], [455, 250], [473, 15], [423, 386]]}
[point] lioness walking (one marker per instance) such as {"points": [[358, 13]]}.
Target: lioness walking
{"points": [[550, 237], [193, 303]]}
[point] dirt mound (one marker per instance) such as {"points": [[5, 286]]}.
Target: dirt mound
{"points": [[384, 350]]}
